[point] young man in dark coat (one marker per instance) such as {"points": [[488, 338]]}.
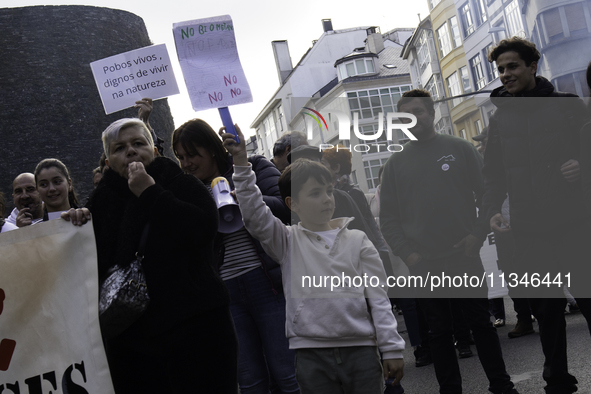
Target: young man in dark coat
{"points": [[532, 154]]}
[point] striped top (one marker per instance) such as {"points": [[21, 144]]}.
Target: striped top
{"points": [[240, 254]]}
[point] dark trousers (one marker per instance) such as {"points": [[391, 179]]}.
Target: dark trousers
{"points": [[409, 309], [461, 326], [197, 356], [496, 307], [520, 305], [340, 370], [506, 254], [438, 312], [263, 349], [561, 249]]}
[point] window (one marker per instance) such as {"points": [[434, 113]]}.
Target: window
{"points": [[281, 116], [481, 11], [269, 124], [467, 20], [500, 31], [423, 53], [463, 133], [478, 125], [443, 38], [435, 87], [453, 86], [575, 17], [441, 127], [553, 25], [371, 130], [433, 3], [514, 19], [478, 72], [456, 39], [491, 68], [465, 80], [369, 103], [356, 67], [372, 168], [448, 36], [566, 83], [431, 87]]}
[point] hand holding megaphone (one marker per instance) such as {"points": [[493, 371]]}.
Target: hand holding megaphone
{"points": [[230, 217]]}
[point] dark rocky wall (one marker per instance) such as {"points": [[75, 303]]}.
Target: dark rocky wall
{"points": [[49, 103]]}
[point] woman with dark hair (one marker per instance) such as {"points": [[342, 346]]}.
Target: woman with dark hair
{"points": [[252, 278], [55, 188], [185, 340]]}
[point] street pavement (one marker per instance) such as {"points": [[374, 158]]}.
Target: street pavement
{"points": [[523, 359]]}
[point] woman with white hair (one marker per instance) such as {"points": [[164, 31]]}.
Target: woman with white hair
{"points": [[185, 341]]}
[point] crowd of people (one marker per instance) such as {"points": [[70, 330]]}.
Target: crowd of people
{"points": [[230, 311]]}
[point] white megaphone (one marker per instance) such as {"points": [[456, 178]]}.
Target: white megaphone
{"points": [[230, 217]]}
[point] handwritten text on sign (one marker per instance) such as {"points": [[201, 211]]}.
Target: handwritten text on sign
{"points": [[209, 59], [128, 77]]}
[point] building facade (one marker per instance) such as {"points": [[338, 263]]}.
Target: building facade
{"points": [[450, 28], [364, 81], [562, 32], [425, 71], [297, 84], [483, 24]]}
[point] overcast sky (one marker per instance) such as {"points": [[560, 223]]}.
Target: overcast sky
{"points": [[256, 24]]}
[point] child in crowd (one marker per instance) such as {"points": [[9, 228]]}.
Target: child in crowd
{"points": [[336, 328]]}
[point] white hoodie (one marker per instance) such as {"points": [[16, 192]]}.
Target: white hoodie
{"points": [[317, 317]]}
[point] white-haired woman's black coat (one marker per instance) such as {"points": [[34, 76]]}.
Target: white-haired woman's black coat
{"points": [[185, 335]]}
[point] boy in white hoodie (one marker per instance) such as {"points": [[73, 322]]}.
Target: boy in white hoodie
{"points": [[336, 328]]}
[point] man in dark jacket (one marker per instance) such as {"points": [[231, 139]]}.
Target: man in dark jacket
{"points": [[532, 154], [428, 217]]}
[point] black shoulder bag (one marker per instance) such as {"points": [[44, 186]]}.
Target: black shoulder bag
{"points": [[124, 294]]}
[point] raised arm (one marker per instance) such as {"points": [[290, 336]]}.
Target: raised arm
{"points": [[258, 218], [145, 107]]}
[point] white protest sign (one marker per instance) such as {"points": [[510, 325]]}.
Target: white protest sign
{"points": [[50, 337], [209, 60], [128, 77]]}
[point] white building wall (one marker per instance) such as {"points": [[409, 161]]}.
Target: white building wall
{"points": [[315, 70]]}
